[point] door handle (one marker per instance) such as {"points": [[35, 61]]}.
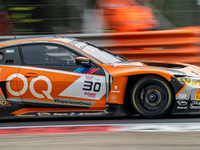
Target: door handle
{"points": [[31, 75]]}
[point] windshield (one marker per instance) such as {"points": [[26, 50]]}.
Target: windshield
{"points": [[98, 53]]}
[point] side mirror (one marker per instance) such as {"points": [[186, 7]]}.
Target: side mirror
{"points": [[83, 61]]}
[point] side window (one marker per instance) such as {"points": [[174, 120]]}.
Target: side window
{"points": [[10, 56], [32, 54], [62, 55], [47, 54]]}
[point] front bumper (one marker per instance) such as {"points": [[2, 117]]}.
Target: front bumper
{"points": [[187, 100]]}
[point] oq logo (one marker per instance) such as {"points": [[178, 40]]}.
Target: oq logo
{"points": [[33, 81]]}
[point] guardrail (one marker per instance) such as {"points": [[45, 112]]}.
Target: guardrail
{"points": [[180, 45]]}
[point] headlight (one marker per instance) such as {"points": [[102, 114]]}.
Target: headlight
{"points": [[189, 80]]}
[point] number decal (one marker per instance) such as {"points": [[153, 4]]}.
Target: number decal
{"points": [[97, 87], [88, 86]]}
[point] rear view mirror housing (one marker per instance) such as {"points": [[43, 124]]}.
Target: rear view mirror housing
{"points": [[83, 61]]}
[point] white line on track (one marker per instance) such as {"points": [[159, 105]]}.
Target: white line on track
{"points": [[150, 127]]}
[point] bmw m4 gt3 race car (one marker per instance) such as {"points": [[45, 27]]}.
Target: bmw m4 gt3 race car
{"points": [[64, 77]]}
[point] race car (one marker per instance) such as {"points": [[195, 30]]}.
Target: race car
{"points": [[65, 77]]}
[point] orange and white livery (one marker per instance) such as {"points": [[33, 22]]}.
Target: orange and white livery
{"points": [[63, 77]]}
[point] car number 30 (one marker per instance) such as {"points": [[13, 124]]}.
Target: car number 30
{"points": [[90, 86]]}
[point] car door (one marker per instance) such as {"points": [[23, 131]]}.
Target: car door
{"points": [[10, 62], [50, 78]]}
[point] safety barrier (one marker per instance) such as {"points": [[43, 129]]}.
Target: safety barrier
{"points": [[179, 45]]}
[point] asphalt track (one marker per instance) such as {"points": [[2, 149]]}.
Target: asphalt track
{"points": [[128, 139]]}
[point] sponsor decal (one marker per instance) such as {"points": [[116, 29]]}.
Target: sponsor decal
{"points": [[93, 114], [89, 77], [43, 114], [90, 94], [182, 107], [26, 116], [113, 97], [79, 114], [46, 93], [115, 87], [57, 114], [72, 114], [182, 96], [60, 114], [73, 102], [182, 103], [10, 51], [3, 103], [86, 70], [197, 96], [25, 88], [195, 105]]}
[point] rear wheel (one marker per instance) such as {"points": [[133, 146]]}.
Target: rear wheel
{"points": [[152, 97]]}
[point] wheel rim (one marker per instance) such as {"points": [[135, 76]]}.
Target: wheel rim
{"points": [[152, 97]]}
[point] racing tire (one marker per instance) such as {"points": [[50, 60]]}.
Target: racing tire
{"points": [[152, 97]]}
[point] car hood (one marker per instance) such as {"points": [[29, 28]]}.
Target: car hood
{"points": [[151, 63], [173, 67]]}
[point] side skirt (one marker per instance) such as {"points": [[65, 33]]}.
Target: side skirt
{"points": [[186, 107]]}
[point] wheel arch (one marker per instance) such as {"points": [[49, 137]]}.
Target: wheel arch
{"points": [[132, 81]]}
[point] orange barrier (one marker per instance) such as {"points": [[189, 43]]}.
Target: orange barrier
{"points": [[180, 45], [185, 54]]}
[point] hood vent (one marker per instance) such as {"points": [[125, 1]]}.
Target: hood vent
{"points": [[166, 65]]}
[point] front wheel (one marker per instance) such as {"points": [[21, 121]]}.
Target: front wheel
{"points": [[152, 97]]}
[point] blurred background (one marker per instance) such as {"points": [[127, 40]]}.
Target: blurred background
{"points": [[166, 30], [31, 17]]}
